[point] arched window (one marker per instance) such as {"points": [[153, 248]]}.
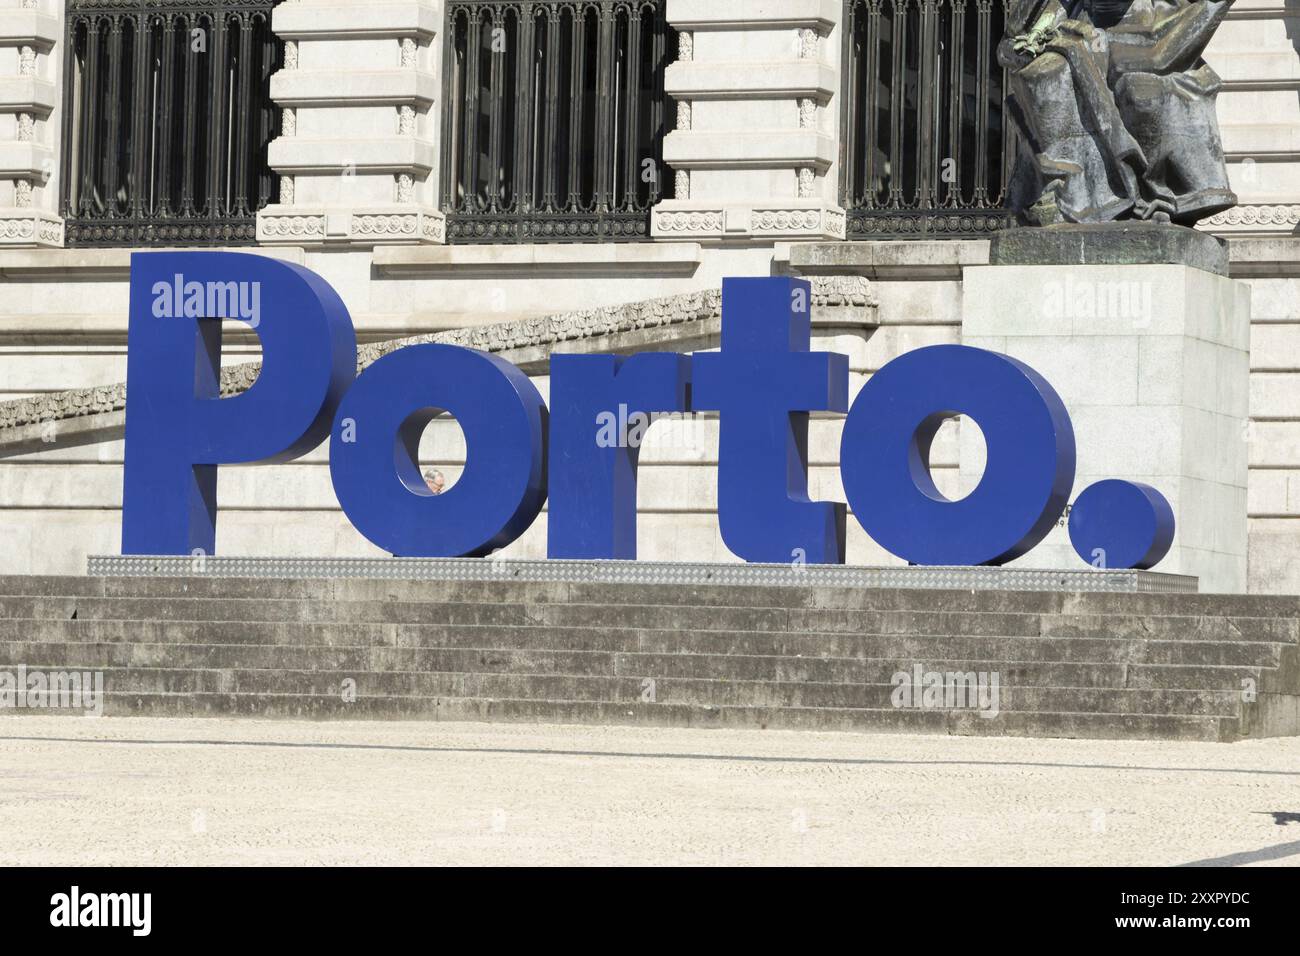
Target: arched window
{"points": [[166, 122], [555, 119]]}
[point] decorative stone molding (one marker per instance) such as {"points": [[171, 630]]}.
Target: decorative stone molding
{"points": [[1245, 217], [683, 183], [793, 219], [362, 189], [694, 222], [25, 227], [271, 228], [360, 227], [809, 43], [685, 319], [807, 182], [28, 160], [808, 113], [839, 292]]}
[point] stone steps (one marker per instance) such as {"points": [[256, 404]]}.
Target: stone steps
{"points": [[676, 617], [531, 592], [1205, 667], [400, 639], [889, 720], [730, 692], [862, 670]]}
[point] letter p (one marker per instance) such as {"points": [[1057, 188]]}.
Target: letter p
{"points": [[178, 428]]}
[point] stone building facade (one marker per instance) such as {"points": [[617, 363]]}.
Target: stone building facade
{"points": [[424, 157]]}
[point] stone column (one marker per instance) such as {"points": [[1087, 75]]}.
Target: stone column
{"points": [[356, 153], [29, 134], [1151, 358], [753, 155], [1257, 53]]}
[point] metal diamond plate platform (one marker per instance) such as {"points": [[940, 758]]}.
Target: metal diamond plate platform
{"points": [[644, 572]]}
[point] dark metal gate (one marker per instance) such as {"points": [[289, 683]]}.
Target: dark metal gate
{"points": [[166, 122], [927, 148], [555, 118]]}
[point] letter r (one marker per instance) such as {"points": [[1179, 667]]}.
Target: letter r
{"points": [[593, 488], [179, 429]]}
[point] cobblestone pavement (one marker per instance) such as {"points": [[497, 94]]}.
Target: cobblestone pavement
{"points": [[217, 791]]}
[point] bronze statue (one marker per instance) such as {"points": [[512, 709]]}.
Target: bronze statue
{"points": [[1115, 109]]}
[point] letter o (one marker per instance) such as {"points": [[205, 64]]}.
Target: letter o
{"points": [[377, 476], [885, 457]]}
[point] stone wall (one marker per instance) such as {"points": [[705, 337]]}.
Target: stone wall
{"points": [[1256, 51], [65, 327], [30, 113], [755, 162]]}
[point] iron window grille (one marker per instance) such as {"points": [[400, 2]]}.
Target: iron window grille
{"points": [[555, 119], [168, 116], [927, 148]]}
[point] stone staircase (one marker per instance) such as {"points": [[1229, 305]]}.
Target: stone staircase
{"points": [[1176, 666]]}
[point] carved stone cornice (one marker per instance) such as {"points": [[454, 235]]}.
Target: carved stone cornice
{"points": [[1285, 215], [29, 228], [296, 225], [129, 6], [796, 220], [290, 228]]}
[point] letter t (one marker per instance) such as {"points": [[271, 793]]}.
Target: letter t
{"points": [[764, 383]]}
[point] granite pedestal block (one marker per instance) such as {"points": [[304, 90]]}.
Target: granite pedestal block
{"points": [[1152, 361]]}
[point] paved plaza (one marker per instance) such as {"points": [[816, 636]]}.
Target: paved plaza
{"points": [[147, 791]]}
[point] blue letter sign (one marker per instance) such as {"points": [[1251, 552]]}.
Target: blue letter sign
{"points": [[763, 384], [374, 451], [601, 408], [178, 428], [885, 457]]}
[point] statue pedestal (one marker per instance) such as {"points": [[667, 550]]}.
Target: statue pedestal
{"points": [[1110, 244], [1152, 361]]}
